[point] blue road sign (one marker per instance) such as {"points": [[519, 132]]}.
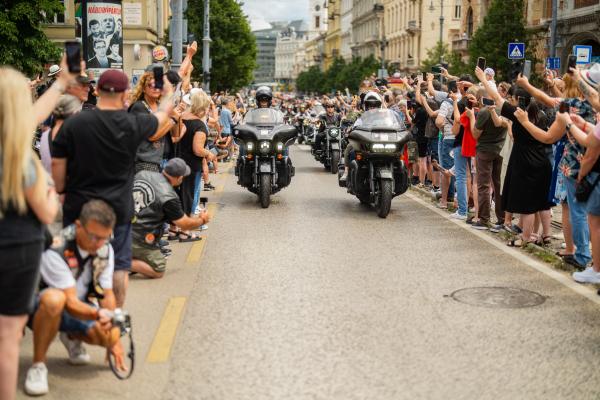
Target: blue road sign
{"points": [[516, 51], [553, 63], [583, 53]]}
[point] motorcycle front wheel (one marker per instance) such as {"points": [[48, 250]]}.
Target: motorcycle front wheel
{"points": [[383, 202], [264, 192], [335, 160]]}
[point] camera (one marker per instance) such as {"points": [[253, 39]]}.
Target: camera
{"points": [[121, 319]]}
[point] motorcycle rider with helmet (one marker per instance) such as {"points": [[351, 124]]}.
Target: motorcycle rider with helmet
{"points": [[330, 118], [371, 100]]}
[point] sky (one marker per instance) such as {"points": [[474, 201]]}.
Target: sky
{"points": [[275, 10]]}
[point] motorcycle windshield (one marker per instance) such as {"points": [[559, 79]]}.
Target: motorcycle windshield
{"points": [[380, 119], [263, 117], [319, 109]]}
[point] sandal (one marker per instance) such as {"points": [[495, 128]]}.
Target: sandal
{"points": [[518, 242], [188, 238], [173, 235], [544, 241]]}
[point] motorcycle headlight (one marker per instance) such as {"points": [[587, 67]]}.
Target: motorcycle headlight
{"points": [[383, 148], [334, 133], [279, 147], [264, 147], [250, 146]]}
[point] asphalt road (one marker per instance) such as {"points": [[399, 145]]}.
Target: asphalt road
{"points": [[318, 298]]}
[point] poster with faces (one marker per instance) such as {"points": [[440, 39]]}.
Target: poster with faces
{"points": [[103, 35]]}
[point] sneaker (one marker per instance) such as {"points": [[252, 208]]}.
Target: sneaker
{"points": [[587, 276], [208, 187], [456, 215], [480, 226], [77, 353], [344, 177], [36, 382], [496, 228]]}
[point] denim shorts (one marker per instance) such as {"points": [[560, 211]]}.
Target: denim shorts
{"points": [[68, 323], [446, 159], [432, 144], [593, 203]]}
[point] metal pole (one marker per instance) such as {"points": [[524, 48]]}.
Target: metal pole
{"points": [[206, 48], [441, 28], [176, 39], [553, 28]]}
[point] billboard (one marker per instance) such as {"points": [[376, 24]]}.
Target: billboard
{"points": [[101, 34]]}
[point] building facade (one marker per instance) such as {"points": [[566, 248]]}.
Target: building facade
{"points": [[266, 41], [403, 33], [318, 18], [333, 40], [288, 42], [473, 13], [366, 28], [144, 24], [346, 29], [452, 12]]}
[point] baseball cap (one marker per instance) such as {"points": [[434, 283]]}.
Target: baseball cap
{"points": [[176, 167], [591, 76], [489, 71], [113, 80], [53, 70], [187, 99]]}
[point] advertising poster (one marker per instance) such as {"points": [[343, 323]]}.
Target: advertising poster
{"points": [[102, 35]]}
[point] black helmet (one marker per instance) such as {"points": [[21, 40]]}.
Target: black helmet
{"points": [[372, 100], [264, 93]]}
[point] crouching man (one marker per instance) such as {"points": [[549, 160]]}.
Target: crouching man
{"points": [[156, 202], [77, 267]]}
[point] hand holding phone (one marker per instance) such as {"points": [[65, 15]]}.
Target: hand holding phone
{"points": [[564, 107], [487, 102], [73, 51], [572, 63], [158, 77], [481, 63]]}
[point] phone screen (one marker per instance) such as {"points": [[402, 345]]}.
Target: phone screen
{"points": [[564, 107], [424, 76], [481, 63], [452, 86], [572, 63], [527, 69], [487, 102], [73, 50], [436, 70], [158, 77]]}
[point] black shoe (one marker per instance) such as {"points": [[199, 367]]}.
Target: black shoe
{"points": [[208, 187]]}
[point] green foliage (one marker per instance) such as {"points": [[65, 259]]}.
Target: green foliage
{"points": [[23, 43], [456, 66], [339, 76], [233, 47], [504, 23]]}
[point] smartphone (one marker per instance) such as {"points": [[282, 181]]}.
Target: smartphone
{"points": [[515, 69], [436, 69], [572, 63], [425, 76], [73, 50], [563, 107], [452, 87], [527, 69], [481, 63], [487, 102], [445, 66], [158, 77], [523, 103]]}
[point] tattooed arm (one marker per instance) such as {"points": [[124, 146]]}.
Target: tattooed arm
{"points": [[589, 93]]}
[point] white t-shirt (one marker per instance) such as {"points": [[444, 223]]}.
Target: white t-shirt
{"points": [[446, 110], [57, 274]]}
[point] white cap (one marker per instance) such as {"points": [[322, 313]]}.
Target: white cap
{"points": [[489, 71], [187, 99], [592, 76], [55, 69]]}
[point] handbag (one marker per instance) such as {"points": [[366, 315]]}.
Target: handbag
{"points": [[584, 189]]}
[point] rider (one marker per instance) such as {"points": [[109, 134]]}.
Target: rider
{"points": [[371, 101], [330, 118]]}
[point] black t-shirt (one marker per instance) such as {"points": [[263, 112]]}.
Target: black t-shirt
{"points": [[100, 147], [420, 121], [520, 134], [462, 106], [173, 210], [186, 145], [150, 152]]}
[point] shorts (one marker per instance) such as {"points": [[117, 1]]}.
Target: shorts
{"points": [[68, 323], [422, 147], [432, 145], [19, 277], [121, 245], [151, 256], [593, 204], [219, 152]]}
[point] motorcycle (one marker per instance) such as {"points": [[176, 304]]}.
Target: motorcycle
{"points": [[265, 168], [377, 174], [300, 124], [329, 154]]}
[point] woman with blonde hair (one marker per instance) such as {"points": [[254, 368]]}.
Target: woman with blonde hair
{"points": [[27, 202], [193, 149]]}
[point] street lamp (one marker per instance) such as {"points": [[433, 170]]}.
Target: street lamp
{"points": [[378, 9], [431, 8]]}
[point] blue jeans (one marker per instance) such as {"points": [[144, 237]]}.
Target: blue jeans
{"points": [[446, 161], [198, 186], [579, 224], [460, 171]]}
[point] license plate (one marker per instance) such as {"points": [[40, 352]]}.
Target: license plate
{"points": [[385, 137], [264, 132]]}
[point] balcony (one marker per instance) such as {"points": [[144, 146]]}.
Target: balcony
{"points": [[413, 27], [461, 44], [410, 62]]}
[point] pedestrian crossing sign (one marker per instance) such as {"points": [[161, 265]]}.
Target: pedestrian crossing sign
{"points": [[516, 51]]}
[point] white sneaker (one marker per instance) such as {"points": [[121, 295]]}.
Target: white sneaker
{"points": [[456, 215], [77, 353], [36, 381], [587, 276]]}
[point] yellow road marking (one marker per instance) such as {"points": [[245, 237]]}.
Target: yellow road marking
{"points": [[212, 208], [196, 250], [163, 341], [219, 189]]}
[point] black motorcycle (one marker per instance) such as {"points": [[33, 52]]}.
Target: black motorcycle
{"points": [[329, 153], [264, 168], [377, 174]]}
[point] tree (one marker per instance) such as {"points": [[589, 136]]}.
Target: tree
{"points": [[332, 76], [456, 66], [311, 80], [23, 43], [233, 46], [504, 23]]}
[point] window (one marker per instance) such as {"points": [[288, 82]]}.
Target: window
{"points": [[59, 18], [470, 23], [317, 21], [457, 9]]}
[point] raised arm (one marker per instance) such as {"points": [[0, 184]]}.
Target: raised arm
{"points": [[539, 95], [590, 94], [553, 134], [491, 91], [44, 106]]}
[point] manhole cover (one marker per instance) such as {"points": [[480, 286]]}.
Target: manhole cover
{"points": [[498, 297]]}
